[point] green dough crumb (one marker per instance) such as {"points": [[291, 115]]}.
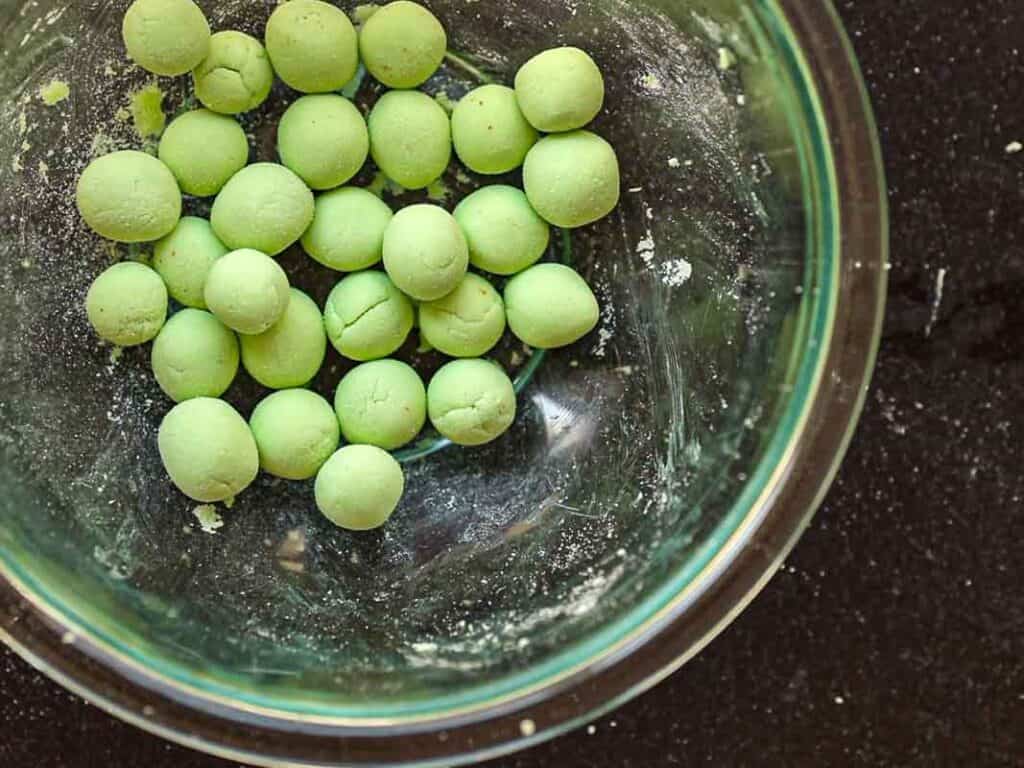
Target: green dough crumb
{"points": [[208, 518], [147, 111], [54, 92], [229, 502], [447, 102], [726, 59], [115, 355], [438, 191], [381, 184]]}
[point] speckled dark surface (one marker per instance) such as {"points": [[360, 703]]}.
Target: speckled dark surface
{"points": [[894, 636]]}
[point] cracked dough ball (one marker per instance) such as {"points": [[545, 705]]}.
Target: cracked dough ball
{"points": [[323, 139], [208, 449], [367, 317], [166, 37], [425, 252], [381, 403], [236, 74], [550, 305], [128, 196], [572, 179], [560, 89], [247, 291], [296, 431], [467, 322], [471, 402], [505, 235], [127, 304], [184, 257], [359, 487], [264, 206], [195, 355], [347, 233], [290, 352], [402, 44], [410, 138], [203, 150], [312, 45]]}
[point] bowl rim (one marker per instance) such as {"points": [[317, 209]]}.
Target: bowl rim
{"points": [[680, 629]]}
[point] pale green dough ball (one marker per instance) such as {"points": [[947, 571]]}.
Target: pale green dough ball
{"points": [[312, 45], [367, 317], [425, 252], [184, 257], [236, 74], [504, 233], [264, 206], [572, 179], [195, 355], [203, 150], [127, 304], [489, 132], [465, 323], [347, 233], [560, 89], [247, 291], [359, 487], [208, 449], [166, 37], [410, 137], [296, 431], [290, 352], [128, 196], [550, 305], [471, 402], [323, 138], [381, 403], [402, 44]]}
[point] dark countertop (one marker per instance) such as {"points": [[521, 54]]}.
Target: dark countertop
{"points": [[894, 635]]}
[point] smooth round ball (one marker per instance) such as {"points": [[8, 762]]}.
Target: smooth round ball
{"points": [[471, 402], [367, 317], [382, 403], [264, 206], [410, 137], [195, 355], [290, 352], [184, 257], [402, 44], [467, 322], [296, 431], [359, 487], [572, 179], [128, 196], [560, 89], [166, 37], [312, 45], [323, 138], [208, 449], [247, 291], [203, 150], [235, 76], [425, 252], [489, 132], [127, 304], [550, 305], [505, 235], [347, 233]]}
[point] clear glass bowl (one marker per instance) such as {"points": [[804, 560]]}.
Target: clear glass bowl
{"points": [[656, 475]]}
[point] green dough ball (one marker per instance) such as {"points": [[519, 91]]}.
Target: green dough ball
{"points": [[505, 235], [367, 317], [550, 305], [264, 206], [208, 449], [127, 304], [560, 90], [166, 37], [572, 179], [347, 233], [195, 355], [410, 137], [312, 46], [236, 74], [296, 431], [359, 487], [489, 132], [290, 352], [381, 403], [184, 257], [402, 44], [128, 196], [247, 291], [425, 252], [465, 323], [323, 138], [203, 150], [471, 402]]}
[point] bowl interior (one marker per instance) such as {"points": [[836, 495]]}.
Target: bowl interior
{"points": [[637, 452]]}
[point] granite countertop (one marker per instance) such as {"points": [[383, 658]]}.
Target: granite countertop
{"points": [[894, 635]]}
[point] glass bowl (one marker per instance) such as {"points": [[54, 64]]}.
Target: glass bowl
{"points": [[657, 473]]}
